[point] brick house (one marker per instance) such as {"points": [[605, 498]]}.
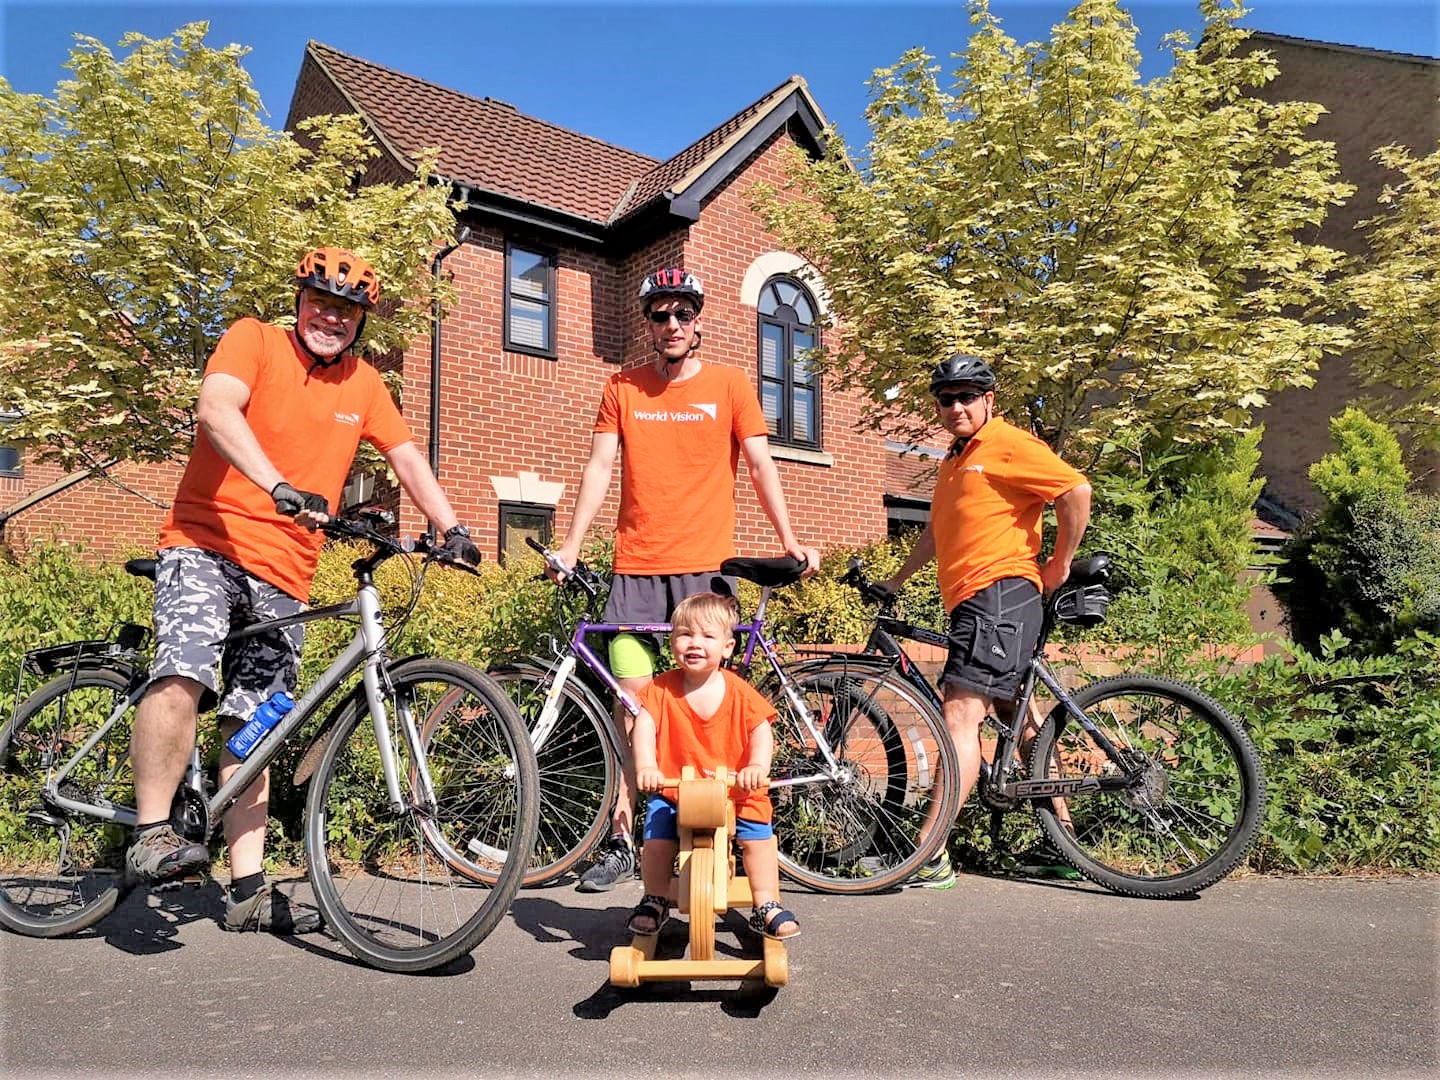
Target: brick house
{"points": [[561, 227], [558, 230], [1373, 99]]}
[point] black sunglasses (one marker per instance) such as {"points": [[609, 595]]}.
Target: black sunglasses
{"points": [[684, 316], [964, 397]]}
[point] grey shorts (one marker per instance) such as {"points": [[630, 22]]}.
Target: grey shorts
{"points": [[201, 597], [651, 599], [992, 637]]}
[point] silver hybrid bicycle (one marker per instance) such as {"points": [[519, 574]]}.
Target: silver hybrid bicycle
{"points": [[413, 771]]}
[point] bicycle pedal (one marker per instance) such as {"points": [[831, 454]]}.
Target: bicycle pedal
{"points": [[195, 878]]}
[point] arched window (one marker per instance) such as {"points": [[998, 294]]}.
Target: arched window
{"points": [[789, 383]]}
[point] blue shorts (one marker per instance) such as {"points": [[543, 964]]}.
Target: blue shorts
{"points": [[661, 816]]}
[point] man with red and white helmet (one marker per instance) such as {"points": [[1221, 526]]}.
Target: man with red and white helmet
{"points": [[683, 426], [278, 421]]}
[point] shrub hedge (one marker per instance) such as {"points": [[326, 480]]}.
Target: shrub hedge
{"points": [[1349, 741]]}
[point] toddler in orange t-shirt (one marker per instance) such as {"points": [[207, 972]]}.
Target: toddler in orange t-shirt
{"points": [[706, 717]]}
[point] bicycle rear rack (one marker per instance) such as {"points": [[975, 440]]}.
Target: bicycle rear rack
{"points": [[127, 642]]}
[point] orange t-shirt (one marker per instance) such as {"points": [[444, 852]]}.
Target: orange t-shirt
{"points": [[309, 423], [683, 738], [987, 509], [680, 447]]}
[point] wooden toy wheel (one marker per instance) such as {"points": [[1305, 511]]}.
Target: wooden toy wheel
{"points": [[777, 963], [702, 903], [625, 965]]}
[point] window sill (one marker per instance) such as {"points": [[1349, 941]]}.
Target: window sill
{"points": [[525, 350], [795, 453]]}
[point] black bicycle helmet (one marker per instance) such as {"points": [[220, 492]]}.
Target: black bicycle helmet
{"points": [[962, 368]]}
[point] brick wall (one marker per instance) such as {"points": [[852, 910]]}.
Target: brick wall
{"points": [[107, 517], [1373, 99]]}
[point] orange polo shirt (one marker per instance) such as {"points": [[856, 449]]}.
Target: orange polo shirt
{"points": [[680, 449], [309, 423], [683, 738], [988, 509]]}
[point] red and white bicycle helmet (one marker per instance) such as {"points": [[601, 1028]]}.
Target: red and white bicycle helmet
{"points": [[671, 281]]}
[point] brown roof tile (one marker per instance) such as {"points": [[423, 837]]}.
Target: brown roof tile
{"points": [[910, 476], [485, 143]]}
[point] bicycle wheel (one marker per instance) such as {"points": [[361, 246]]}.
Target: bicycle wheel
{"points": [[61, 870], [891, 806], [579, 772], [384, 877], [1193, 809]]}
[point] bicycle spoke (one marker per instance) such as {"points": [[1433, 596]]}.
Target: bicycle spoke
{"points": [[60, 870], [579, 775], [1191, 807], [401, 888], [892, 798]]}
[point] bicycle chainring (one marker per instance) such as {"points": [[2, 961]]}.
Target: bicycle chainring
{"points": [[190, 815]]}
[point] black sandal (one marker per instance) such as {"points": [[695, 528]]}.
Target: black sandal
{"points": [[654, 908], [769, 915]]}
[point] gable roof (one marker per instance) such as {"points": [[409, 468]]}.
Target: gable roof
{"points": [[695, 171], [1263, 36], [500, 159]]}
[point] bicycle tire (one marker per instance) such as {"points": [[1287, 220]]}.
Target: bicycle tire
{"points": [[579, 770], [1190, 819], [383, 880], [896, 801], [49, 888]]}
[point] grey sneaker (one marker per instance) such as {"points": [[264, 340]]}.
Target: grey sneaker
{"points": [[617, 862], [161, 854], [935, 874], [269, 911]]}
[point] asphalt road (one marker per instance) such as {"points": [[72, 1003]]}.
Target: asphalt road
{"points": [[996, 978]]}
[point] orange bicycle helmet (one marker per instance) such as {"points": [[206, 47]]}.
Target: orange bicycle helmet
{"points": [[341, 273]]}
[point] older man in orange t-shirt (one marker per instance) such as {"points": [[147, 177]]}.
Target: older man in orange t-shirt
{"points": [[683, 425], [984, 533], [278, 420]]}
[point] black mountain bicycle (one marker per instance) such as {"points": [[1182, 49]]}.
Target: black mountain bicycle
{"points": [[1143, 784]]}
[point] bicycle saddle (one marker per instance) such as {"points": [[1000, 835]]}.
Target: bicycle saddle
{"points": [[1089, 571], [141, 568], [781, 570]]}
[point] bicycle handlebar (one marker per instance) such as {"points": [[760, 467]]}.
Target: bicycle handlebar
{"points": [[579, 575], [872, 591], [364, 525]]}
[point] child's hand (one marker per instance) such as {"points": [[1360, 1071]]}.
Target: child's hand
{"points": [[751, 777], [649, 778]]}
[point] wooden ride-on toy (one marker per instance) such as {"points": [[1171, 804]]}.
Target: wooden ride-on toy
{"points": [[705, 889]]}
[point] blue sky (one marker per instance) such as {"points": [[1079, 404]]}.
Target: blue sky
{"points": [[645, 75]]}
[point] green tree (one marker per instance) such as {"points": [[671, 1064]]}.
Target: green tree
{"points": [[1177, 521], [1134, 254], [1392, 294], [143, 208], [1369, 565]]}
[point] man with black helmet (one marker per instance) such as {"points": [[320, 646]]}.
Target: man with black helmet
{"points": [[278, 420], [985, 532], [683, 425]]}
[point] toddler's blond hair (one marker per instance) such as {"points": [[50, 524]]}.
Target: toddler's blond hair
{"points": [[706, 609]]}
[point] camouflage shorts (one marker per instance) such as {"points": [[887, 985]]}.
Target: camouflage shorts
{"points": [[200, 598]]}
